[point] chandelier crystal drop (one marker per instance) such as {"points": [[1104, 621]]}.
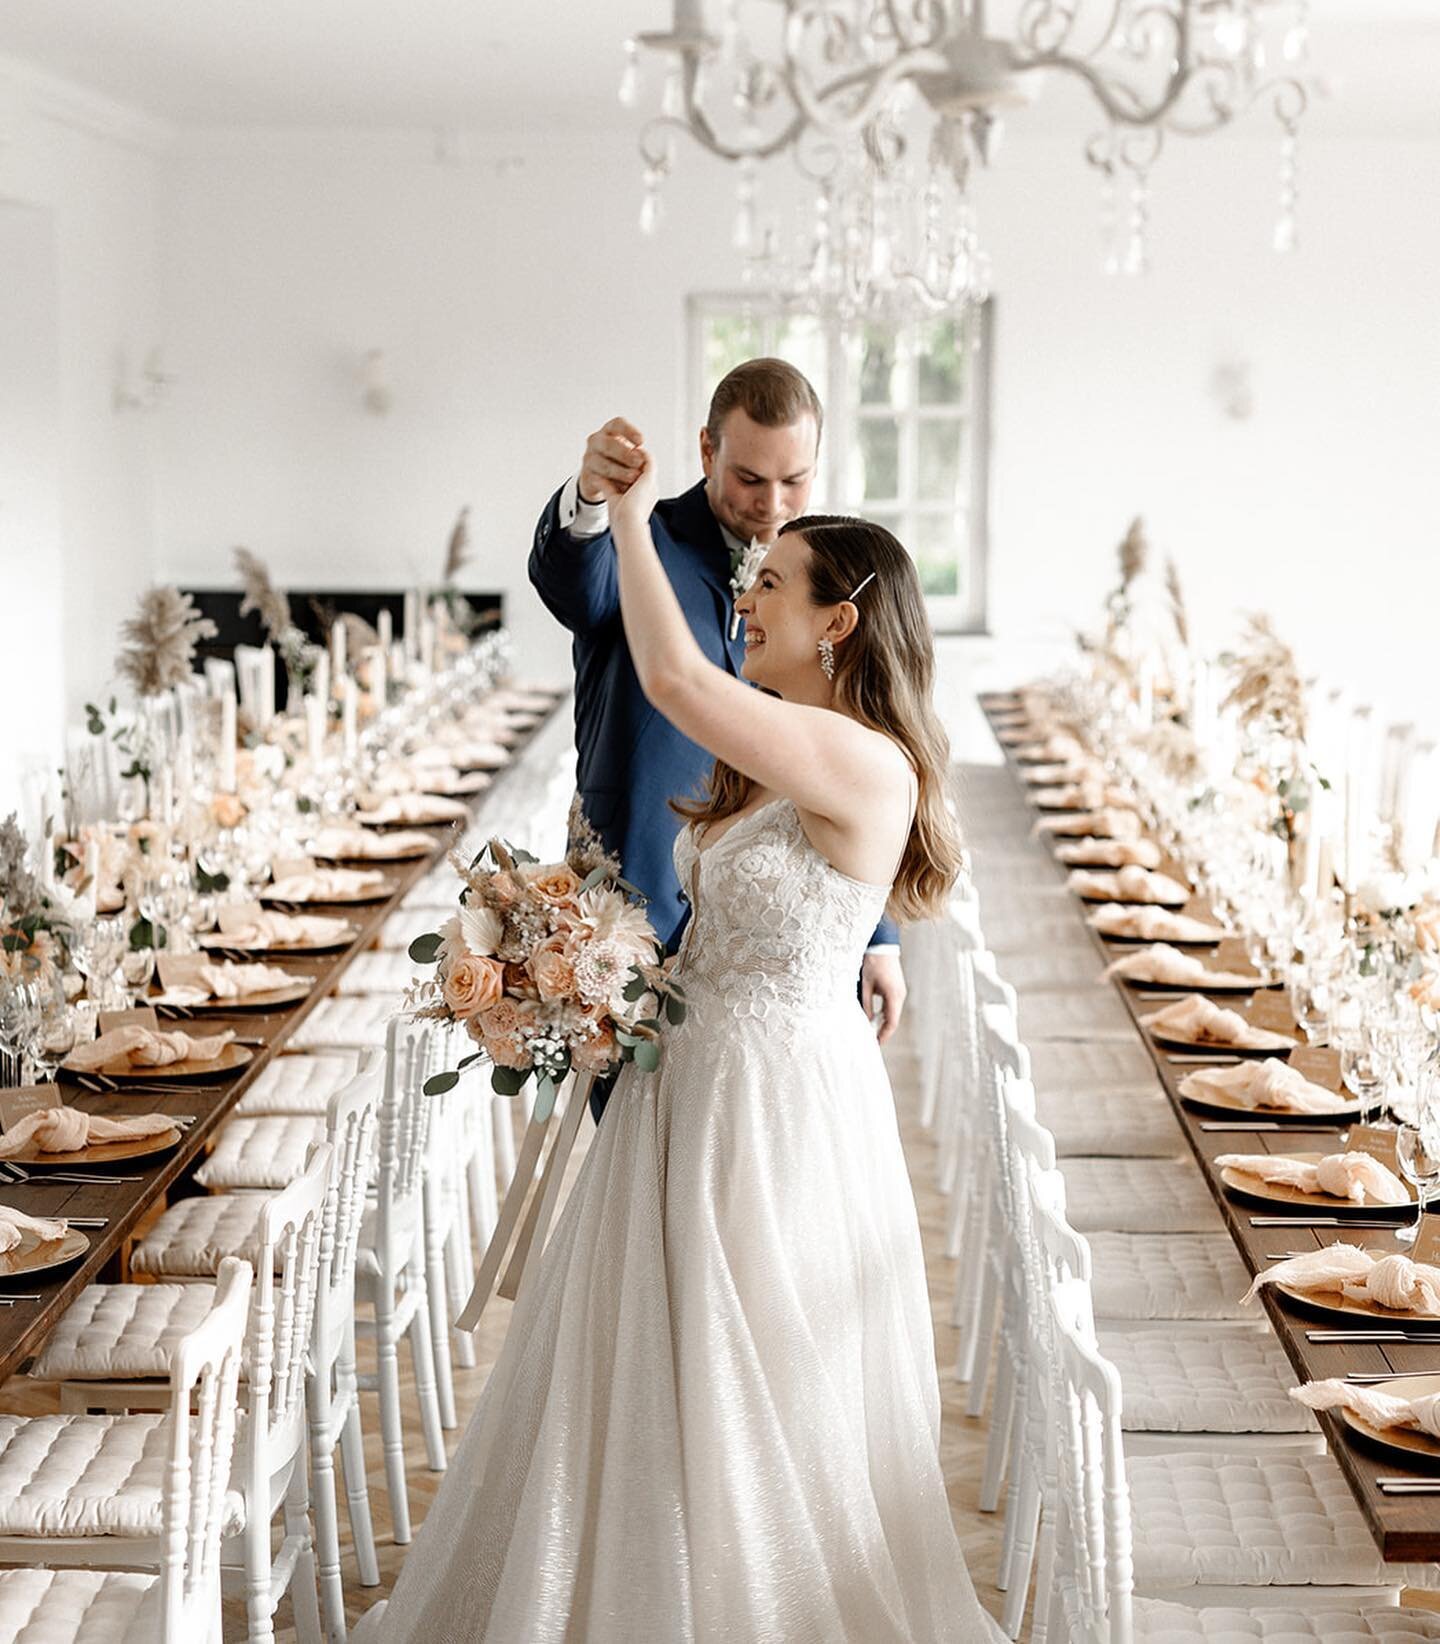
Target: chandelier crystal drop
{"points": [[888, 108]]}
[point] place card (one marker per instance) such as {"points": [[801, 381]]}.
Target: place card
{"points": [[233, 916], [19, 1104], [142, 1016], [1376, 1141], [1427, 1243], [284, 866], [179, 970]]}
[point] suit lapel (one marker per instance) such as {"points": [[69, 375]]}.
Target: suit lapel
{"points": [[693, 527]]}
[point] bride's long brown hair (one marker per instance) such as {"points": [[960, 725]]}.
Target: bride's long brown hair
{"points": [[884, 678]]}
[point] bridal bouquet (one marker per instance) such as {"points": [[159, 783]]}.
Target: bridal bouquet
{"points": [[549, 967]]}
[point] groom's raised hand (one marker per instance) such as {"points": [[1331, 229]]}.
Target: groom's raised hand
{"points": [[612, 462]]}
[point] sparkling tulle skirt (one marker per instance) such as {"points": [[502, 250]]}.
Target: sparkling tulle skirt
{"points": [[715, 1415]]}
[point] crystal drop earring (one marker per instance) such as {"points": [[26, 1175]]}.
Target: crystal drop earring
{"points": [[827, 657]]}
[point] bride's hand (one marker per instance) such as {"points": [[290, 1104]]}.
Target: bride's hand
{"points": [[635, 505]]}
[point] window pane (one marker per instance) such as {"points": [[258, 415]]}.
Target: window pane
{"points": [[939, 459], [877, 441], [943, 359], [936, 543], [802, 343], [878, 363], [730, 339]]}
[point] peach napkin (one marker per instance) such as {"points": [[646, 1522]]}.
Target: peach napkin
{"points": [[325, 884], [1162, 963], [228, 982], [145, 1047], [1200, 1021], [277, 930], [1128, 884], [355, 844], [14, 1224], [413, 807], [1054, 749], [1081, 796], [1110, 853], [1153, 925], [468, 751], [1267, 1084], [68, 1129], [1359, 1275], [1350, 1176], [1373, 1404], [1051, 776], [1110, 823]]}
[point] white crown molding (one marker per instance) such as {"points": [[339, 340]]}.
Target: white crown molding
{"points": [[48, 97]]}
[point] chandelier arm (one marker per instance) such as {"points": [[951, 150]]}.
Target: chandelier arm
{"points": [[1124, 106], [1037, 14], [695, 123], [902, 31], [812, 100], [1277, 91]]}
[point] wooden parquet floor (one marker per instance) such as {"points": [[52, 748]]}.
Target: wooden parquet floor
{"points": [[962, 1439]]}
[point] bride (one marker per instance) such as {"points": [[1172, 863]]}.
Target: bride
{"points": [[715, 1417]]}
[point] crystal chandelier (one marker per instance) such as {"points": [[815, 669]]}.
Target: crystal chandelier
{"points": [[888, 107]]}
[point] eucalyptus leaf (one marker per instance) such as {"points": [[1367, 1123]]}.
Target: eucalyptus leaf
{"points": [[595, 877], [675, 1009], [508, 1081], [544, 1098], [425, 950], [438, 1083], [647, 1056]]}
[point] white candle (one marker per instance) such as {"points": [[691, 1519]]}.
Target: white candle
{"points": [[384, 627], [47, 858], [166, 788], [412, 621], [349, 717], [92, 865], [321, 682], [379, 677], [267, 685], [337, 651], [227, 741], [427, 644], [184, 766], [315, 726], [1146, 706]]}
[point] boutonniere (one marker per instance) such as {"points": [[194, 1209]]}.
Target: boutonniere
{"points": [[744, 567]]}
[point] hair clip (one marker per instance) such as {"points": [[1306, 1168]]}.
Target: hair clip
{"points": [[863, 585]]}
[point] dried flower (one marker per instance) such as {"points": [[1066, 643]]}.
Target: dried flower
{"points": [[1134, 551], [160, 640], [262, 595], [457, 550], [1177, 602], [1267, 687]]}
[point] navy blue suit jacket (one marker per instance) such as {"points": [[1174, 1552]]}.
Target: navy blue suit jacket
{"points": [[632, 760]]}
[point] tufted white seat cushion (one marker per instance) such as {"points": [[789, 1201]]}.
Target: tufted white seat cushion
{"points": [[1283, 1519], [89, 1476], [386, 970], [40, 1606], [1167, 1276], [264, 1152], [194, 1236], [352, 1023], [298, 1084], [1277, 1624], [121, 1332], [1089, 1015], [1234, 1381], [1131, 1124], [1138, 1196]]}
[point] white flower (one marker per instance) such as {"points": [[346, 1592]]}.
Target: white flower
{"points": [[745, 567], [1390, 892], [602, 973], [608, 917], [482, 929]]}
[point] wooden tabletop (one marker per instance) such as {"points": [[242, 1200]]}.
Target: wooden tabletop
{"points": [[24, 1326], [1406, 1529]]}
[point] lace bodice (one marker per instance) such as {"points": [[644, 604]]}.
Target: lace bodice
{"points": [[774, 929]]}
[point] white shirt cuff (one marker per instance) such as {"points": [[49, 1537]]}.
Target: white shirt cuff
{"points": [[578, 517], [885, 947]]}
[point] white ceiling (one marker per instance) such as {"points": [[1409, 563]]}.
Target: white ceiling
{"points": [[527, 64]]}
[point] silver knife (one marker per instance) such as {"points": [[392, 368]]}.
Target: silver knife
{"points": [[1300, 1129], [1320, 1337], [1319, 1221]]}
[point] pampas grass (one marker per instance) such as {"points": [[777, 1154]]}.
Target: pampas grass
{"points": [[261, 594], [1178, 612], [1267, 688], [160, 639], [1133, 553], [457, 550]]}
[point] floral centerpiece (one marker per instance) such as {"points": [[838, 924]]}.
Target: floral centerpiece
{"points": [[37, 921], [549, 967]]}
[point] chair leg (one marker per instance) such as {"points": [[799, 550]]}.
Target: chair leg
{"points": [[480, 1182], [459, 1277], [1001, 1418], [259, 1605], [392, 1435], [327, 1511], [435, 1299], [421, 1350], [982, 1334], [303, 1597], [357, 1496], [1023, 1508]]}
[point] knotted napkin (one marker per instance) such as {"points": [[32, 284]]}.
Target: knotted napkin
{"points": [[327, 884], [1342, 1175], [145, 1047], [1267, 1084], [355, 844], [413, 807], [1162, 963], [1199, 1021], [1153, 925], [1361, 1276], [279, 930], [15, 1224], [1110, 853], [227, 982], [68, 1129], [1128, 884], [1109, 823], [1081, 796], [1373, 1405]]}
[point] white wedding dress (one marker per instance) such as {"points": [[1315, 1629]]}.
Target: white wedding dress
{"points": [[715, 1416]]}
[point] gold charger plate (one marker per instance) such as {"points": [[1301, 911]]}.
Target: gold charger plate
{"points": [[1332, 1305], [354, 898], [1204, 1045], [230, 1060], [1096, 900], [466, 783], [33, 1255], [267, 999], [411, 853], [223, 943], [1406, 1444], [1197, 986], [1226, 1107], [1244, 1186], [1174, 941], [129, 1147]]}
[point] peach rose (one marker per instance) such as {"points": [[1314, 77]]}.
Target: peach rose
{"points": [[505, 1052], [500, 1019], [557, 886], [519, 981], [550, 966], [471, 984], [227, 810], [595, 1055], [503, 890]]}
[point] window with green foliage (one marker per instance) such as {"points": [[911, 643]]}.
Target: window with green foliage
{"points": [[906, 428]]}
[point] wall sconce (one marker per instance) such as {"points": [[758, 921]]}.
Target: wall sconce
{"points": [[376, 394], [145, 391]]}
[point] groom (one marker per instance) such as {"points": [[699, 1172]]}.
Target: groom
{"points": [[758, 450]]}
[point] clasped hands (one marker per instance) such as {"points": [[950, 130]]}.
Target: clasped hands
{"points": [[618, 470]]}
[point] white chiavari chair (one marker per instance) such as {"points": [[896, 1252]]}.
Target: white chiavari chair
{"points": [[180, 1604]]}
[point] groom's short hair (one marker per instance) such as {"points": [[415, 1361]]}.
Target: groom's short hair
{"points": [[769, 391]]}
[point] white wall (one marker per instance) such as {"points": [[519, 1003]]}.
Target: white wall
{"points": [[519, 307], [77, 480]]}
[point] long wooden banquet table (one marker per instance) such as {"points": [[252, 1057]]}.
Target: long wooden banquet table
{"points": [[1406, 1527], [124, 1204]]}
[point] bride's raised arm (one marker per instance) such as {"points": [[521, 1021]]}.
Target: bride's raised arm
{"points": [[822, 760]]}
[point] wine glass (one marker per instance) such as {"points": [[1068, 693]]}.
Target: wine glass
{"points": [[56, 1029], [1363, 1072], [18, 1009], [1417, 1151]]}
